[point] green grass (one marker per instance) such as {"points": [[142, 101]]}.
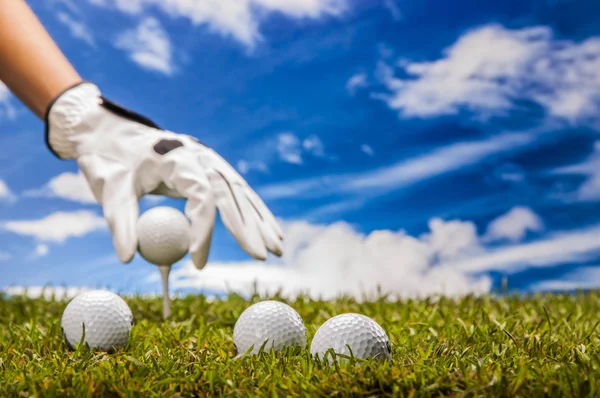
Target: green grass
{"points": [[512, 346]]}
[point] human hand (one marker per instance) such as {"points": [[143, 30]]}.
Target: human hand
{"points": [[124, 155]]}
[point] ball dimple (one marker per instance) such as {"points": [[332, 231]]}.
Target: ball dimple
{"points": [[104, 316], [163, 235], [356, 332], [272, 323]]}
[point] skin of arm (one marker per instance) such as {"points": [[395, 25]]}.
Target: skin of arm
{"points": [[31, 64]]}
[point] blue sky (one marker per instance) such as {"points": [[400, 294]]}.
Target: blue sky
{"points": [[417, 146]]}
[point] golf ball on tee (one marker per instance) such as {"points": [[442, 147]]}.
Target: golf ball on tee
{"points": [[105, 316], [364, 336], [273, 322], [163, 235]]}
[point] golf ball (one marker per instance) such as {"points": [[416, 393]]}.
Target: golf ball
{"points": [[362, 334], [105, 316], [273, 322], [163, 235]]}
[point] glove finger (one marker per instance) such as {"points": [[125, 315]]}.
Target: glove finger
{"points": [[184, 174], [202, 212], [264, 211], [268, 233], [237, 215], [272, 241], [252, 224], [114, 188], [248, 220]]}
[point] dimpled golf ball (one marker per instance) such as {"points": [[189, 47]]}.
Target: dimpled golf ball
{"points": [[364, 336], [272, 321], [105, 316], [163, 235]]}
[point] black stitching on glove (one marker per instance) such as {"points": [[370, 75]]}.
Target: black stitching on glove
{"points": [[166, 146], [237, 205], [255, 208]]}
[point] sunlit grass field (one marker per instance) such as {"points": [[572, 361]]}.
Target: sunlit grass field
{"points": [[546, 345]]}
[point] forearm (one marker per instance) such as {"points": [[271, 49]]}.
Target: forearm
{"points": [[31, 64]]}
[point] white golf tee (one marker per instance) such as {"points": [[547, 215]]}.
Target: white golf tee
{"points": [[164, 273]]}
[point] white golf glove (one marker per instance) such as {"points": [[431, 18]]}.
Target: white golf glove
{"points": [[124, 155]]}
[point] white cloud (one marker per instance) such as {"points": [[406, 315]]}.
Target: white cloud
{"points": [[583, 278], [330, 260], [490, 67], [238, 19], [452, 239], [149, 46], [126, 6], [6, 108], [589, 190], [367, 149], [74, 187], [288, 148], [67, 185], [326, 261], [77, 29], [385, 51], [314, 146], [245, 166], [590, 165], [5, 192], [41, 250], [393, 8], [68, 4], [437, 162], [285, 146], [58, 292], [68, 292], [406, 172], [58, 226], [336, 207], [355, 82], [514, 225], [511, 176], [557, 248]]}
